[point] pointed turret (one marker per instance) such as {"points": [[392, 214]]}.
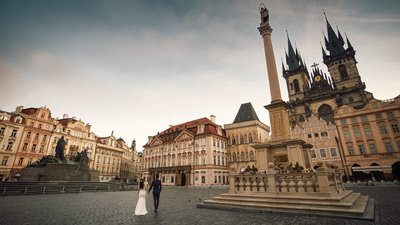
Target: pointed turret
{"points": [[293, 59], [333, 44]]}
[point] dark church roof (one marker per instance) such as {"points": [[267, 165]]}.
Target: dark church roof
{"points": [[246, 113]]}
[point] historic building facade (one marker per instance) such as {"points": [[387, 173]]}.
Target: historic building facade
{"points": [[325, 141], [330, 98], [27, 135], [11, 131], [245, 131], [35, 137], [191, 153], [370, 138], [108, 158], [78, 136], [317, 93]]}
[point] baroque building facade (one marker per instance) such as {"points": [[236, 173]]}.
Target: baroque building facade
{"points": [[26, 135], [192, 153], [11, 130], [370, 138], [245, 131], [35, 137]]}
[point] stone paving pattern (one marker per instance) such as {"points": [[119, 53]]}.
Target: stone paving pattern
{"points": [[177, 206]]}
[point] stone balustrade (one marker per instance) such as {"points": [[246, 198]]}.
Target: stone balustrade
{"points": [[325, 180]]}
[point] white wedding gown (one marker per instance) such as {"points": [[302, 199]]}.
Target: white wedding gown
{"points": [[141, 204]]}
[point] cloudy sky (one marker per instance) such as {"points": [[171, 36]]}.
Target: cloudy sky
{"points": [[137, 67]]}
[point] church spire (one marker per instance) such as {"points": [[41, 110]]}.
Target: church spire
{"points": [[334, 44], [293, 58]]}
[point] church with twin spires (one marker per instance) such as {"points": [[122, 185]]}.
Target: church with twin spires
{"points": [[315, 93]]}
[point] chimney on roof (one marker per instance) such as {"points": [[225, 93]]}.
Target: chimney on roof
{"points": [[19, 109], [212, 118], [65, 116]]}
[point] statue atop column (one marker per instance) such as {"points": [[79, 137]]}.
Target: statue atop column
{"points": [[60, 148]]}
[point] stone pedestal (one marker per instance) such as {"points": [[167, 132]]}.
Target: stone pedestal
{"points": [[60, 172]]}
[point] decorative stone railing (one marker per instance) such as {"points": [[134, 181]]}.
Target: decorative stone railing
{"points": [[325, 180]]}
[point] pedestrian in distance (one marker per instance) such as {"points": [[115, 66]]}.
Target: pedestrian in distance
{"points": [[156, 186]]}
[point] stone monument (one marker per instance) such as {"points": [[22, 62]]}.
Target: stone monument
{"points": [[57, 168]]}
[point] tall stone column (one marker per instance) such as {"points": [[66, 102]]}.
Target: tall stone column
{"points": [[278, 109]]}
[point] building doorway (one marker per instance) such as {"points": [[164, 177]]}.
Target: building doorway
{"points": [[183, 179], [396, 170]]}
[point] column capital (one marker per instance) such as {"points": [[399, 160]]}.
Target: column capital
{"points": [[265, 29]]}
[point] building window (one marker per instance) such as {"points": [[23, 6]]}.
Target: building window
{"points": [[333, 152], [25, 147], [343, 72], [390, 115], [361, 148], [343, 121], [351, 99], [322, 153], [33, 148], [37, 136], [234, 157], [378, 116], [316, 135], [241, 139], [350, 148], [364, 119], [223, 161], [40, 126], [219, 160], [250, 138], [44, 137], [2, 130], [215, 179], [251, 156], [312, 154], [28, 135], [215, 160], [5, 160], [353, 120], [357, 133], [388, 146], [309, 135], [41, 148], [14, 133], [372, 148], [368, 132], [296, 86], [398, 145], [203, 179], [9, 146], [346, 134], [20, 161], [395, 128], [383, 130], [242, 156]]}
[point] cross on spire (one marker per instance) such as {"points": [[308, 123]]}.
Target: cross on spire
{"points": [[314, 65]]}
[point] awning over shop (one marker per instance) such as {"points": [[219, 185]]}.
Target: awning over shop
{"points": [[367, 169]]}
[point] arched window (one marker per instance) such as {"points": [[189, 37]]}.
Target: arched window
{"points": [[233, 140], [296, 86], [234, 157], [351, 100], [343, 72], [250, 138], [301, 118], [326, 113], [241, 139], [251, 156], [242, 156]]}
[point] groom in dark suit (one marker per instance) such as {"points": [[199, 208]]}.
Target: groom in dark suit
{"points": [[156, 186]]}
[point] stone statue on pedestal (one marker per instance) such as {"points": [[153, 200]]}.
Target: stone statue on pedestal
{"points": [[60, 148]]}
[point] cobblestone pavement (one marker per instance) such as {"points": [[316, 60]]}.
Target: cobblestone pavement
{"points": [[177, 206]]}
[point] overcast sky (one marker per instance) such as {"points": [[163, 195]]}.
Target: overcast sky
{"points": [[137, 67]]}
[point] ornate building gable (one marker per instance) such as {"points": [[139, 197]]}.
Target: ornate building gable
{"points": [[184, 135]]}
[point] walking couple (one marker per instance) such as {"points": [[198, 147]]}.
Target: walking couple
{"points": [[141, 203]]}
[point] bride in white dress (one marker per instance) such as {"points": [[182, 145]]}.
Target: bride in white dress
{"points": [[141, 203]]}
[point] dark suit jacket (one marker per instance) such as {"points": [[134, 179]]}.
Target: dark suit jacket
{"points": [[156, 185]]}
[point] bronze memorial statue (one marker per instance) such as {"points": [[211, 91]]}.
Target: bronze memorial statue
{"points": [[60, 148]]}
